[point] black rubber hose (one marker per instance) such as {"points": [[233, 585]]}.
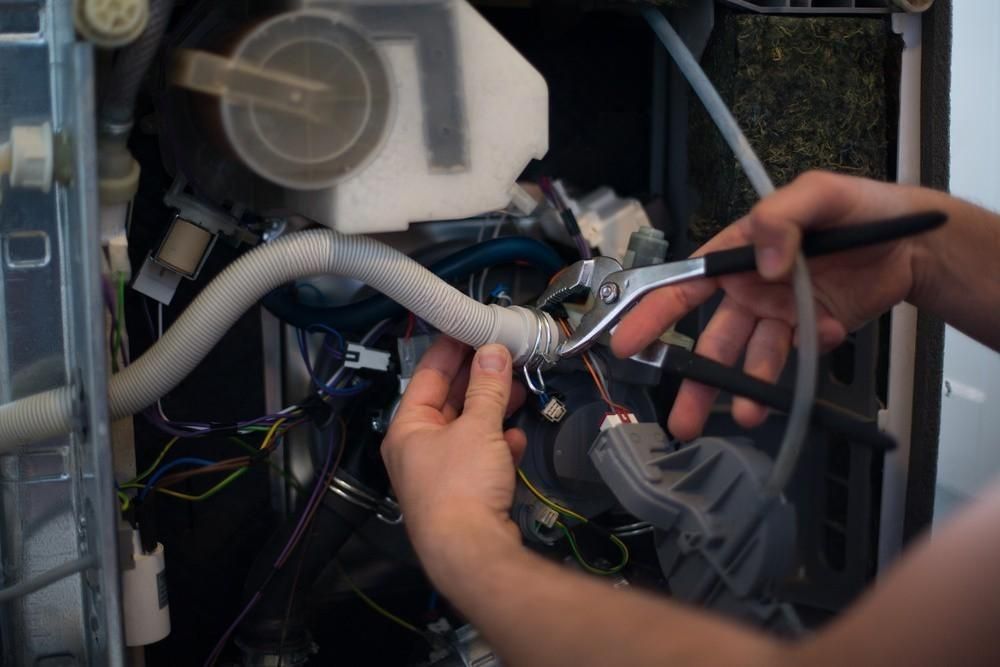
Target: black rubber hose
{"points": [[131, 65], [361, 315]]}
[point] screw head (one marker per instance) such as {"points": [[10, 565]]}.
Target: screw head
{"points": [[608, 292]]}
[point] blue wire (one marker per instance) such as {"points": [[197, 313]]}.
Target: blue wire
{"points": [[187, 460], [329, 331], [319, 384]]}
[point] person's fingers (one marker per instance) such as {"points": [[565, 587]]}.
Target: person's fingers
{"points": [[518, 442], [456, 395], [489, 386], [434, 376], [723, 340], [656, 313], [767, 352], [815, 198], [517, 396], [660, 310], [831, 333]]}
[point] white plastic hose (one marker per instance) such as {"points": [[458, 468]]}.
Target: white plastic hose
{"points": [[243, 283]]}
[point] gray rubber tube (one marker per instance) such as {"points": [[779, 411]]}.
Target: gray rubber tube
{"points": [[244, 282], [807, 369]]}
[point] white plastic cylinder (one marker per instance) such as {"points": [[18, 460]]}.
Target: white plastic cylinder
{"points": [[144, 596]]}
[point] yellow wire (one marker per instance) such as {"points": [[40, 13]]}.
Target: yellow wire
{"points": [[375, 606], [271, 432], [125, 500], [549, 502], [150, 469], [583, 561]]}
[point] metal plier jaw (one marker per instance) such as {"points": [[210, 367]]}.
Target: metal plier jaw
{"points": [[614, 291]]}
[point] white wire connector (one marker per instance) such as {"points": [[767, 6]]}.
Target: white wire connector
{"points": [[554, 410], [359, 356], [545, 516], [611, 420]]}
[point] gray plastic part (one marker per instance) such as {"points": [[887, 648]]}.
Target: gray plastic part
{"points": [[646, 246], [411, 350], [719, 542]]}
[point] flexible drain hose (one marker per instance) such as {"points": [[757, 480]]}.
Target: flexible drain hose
{"points": [[243, 283]]}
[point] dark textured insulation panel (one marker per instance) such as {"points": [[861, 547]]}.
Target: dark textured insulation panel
{"points": [[810, 93]]}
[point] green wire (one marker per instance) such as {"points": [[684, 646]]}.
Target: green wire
{"points": [[229, 479], [135, 483], [149, 471], [565, 511], [281, 471], [583, 561]]}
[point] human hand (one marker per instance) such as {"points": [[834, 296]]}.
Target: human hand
{"points": [[757, 315], [450, 461]]}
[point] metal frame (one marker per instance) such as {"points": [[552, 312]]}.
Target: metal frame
{"points": [[56, 497]]}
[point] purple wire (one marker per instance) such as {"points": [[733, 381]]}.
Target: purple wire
{"points": [[279, 562], [313, 500], [109, 296]]}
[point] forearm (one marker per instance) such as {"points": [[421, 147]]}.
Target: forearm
{"points": [[957, 269], [536, 613]]}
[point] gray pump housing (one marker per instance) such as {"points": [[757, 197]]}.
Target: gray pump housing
{"points": [[719, 541]]}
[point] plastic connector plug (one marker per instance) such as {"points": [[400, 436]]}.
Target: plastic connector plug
{"points": [[359, 356], [613, 420], [554, 410]]}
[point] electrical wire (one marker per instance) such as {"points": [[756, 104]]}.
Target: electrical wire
{"points": [[325, 388], [156, 462], [565, 511], [806, 370], [379, 609], [584, 563], [598, 378], [232, 477], [186, 460], [323, 481], [548, 502], [47, 578]]}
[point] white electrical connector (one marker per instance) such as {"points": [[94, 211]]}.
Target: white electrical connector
{"points": [[554, 410], [545, 516], [611, 420], [145, 607], [359, 356]]}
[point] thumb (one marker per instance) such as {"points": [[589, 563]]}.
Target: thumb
{"points": [[489, 385]]}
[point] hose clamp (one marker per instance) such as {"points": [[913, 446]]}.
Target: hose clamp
{"points": [[385, 509], [542, 354]]}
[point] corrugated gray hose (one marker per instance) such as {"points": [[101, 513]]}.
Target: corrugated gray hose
{"points": [[319, 251]]}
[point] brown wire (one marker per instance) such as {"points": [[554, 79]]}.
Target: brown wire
{"points": [[225, 465]]}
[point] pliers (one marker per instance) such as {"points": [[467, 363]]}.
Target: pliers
{"points": [[615, 290]]}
